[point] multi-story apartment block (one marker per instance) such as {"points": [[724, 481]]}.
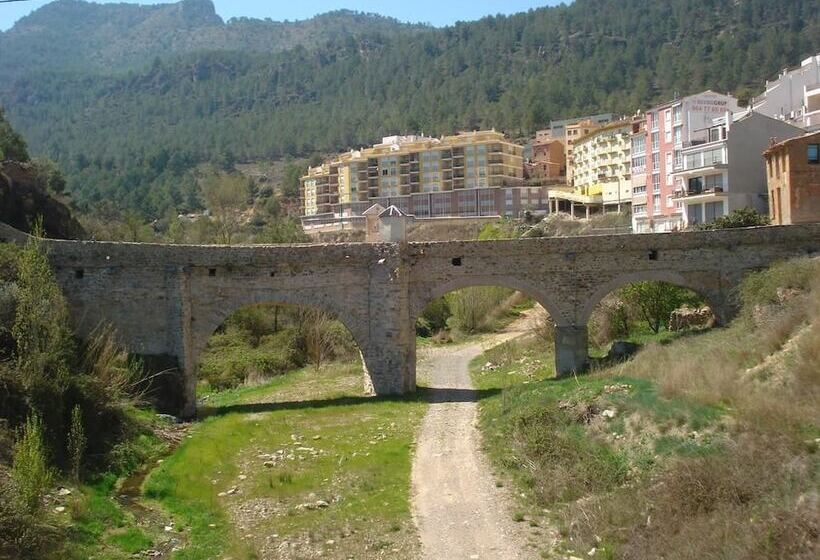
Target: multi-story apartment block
{"points": [[793, 172], [468, 174], [318, 196], [548, 158], [603, 164], [794, 96], [575, 132], [722, 166], [638, 140], [669, 129]]}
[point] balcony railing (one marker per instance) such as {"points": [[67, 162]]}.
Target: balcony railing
{"points": [[697, 191]]}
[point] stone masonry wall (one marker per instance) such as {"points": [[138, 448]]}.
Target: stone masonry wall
{"points": [[168, 300]]}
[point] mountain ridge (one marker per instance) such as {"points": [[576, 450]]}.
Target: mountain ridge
{"points": [[76, 35], [134, 134]]}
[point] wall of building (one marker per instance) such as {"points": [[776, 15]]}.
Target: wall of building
{"points": [[793, 183], [663, 211], [747, 139], [785, 97]]}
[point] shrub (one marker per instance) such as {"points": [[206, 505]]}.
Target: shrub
{"points": [[744, 217], [471, 307], [653, 302], [30, 473], [564, 463], [434, 317]]}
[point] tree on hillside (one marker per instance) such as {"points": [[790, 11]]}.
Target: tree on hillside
{"points": [[226, 196], [12, 145], [655, 301], [290, 179]]}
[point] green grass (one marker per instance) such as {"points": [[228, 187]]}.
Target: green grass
{"points": [[697, 455], [534, 433], [130, 541], [97, 525], [351, 452]]}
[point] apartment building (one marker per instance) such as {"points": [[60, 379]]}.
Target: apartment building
{"points": [[722, 166], [793, 174], [477, 173], [794, 96], [548, 158], [670, 128], [603, 164], [638, 176], [575, 132]]}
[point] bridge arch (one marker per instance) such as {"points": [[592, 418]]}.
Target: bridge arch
{"points": [[424, 297], [209, 314], [713, 296]]}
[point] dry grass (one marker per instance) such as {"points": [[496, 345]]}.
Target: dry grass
{"points": [[756, 497]]}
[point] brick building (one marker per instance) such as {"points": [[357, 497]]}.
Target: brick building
{"points": [[793, 173]]}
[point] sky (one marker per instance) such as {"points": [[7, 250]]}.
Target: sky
{"points": [[436, 12]]}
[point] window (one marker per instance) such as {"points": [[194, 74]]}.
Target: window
{"points": [[713, 210], [694, 213], [813, 153], [656, 163], [695, 185], [656, 204], [713, 181], [656, 141], [656, 182], [639, 209], [670, 201], [639, 163], [639, 190], [678, 135], [677, 114]]}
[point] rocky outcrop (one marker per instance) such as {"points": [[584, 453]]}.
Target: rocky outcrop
{"points": [[688, 318], [23, 200]]}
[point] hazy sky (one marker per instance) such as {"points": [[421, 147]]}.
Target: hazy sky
{"points": [[431, 11]]}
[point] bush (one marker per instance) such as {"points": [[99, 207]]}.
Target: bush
{"points": [[609, 322], [30, 473], [653, 302], [744, 217], [472, 307], [434, 318], [564, 463]]}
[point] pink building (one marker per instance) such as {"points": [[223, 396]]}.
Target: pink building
{"points": [[669, 128]]}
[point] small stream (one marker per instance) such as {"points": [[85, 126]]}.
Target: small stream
{"points": [[149, 516]]}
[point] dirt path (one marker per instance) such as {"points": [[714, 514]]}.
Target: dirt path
{"points": [[458, 508]]}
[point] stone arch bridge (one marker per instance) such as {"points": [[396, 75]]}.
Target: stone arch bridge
{"points": [[167, 300]]}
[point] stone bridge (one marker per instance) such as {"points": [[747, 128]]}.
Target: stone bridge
{"points": [[167, 300]]}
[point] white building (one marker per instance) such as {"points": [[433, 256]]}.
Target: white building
{"points": [[794, 96], [723, 168]]}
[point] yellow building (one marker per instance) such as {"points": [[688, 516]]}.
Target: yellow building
{"points": [[467, 174], [574, 132], [601, 172]]}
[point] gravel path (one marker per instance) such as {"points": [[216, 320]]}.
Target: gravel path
{"points": [[458, 508]]}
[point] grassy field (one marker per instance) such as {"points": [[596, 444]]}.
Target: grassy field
{"points": [[271, 473], [702, 446]]}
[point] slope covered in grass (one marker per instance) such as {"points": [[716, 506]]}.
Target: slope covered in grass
{"points": [[700, 447]]}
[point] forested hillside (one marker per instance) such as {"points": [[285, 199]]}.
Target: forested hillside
{"points": [[134, 136], [79, 35]]}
